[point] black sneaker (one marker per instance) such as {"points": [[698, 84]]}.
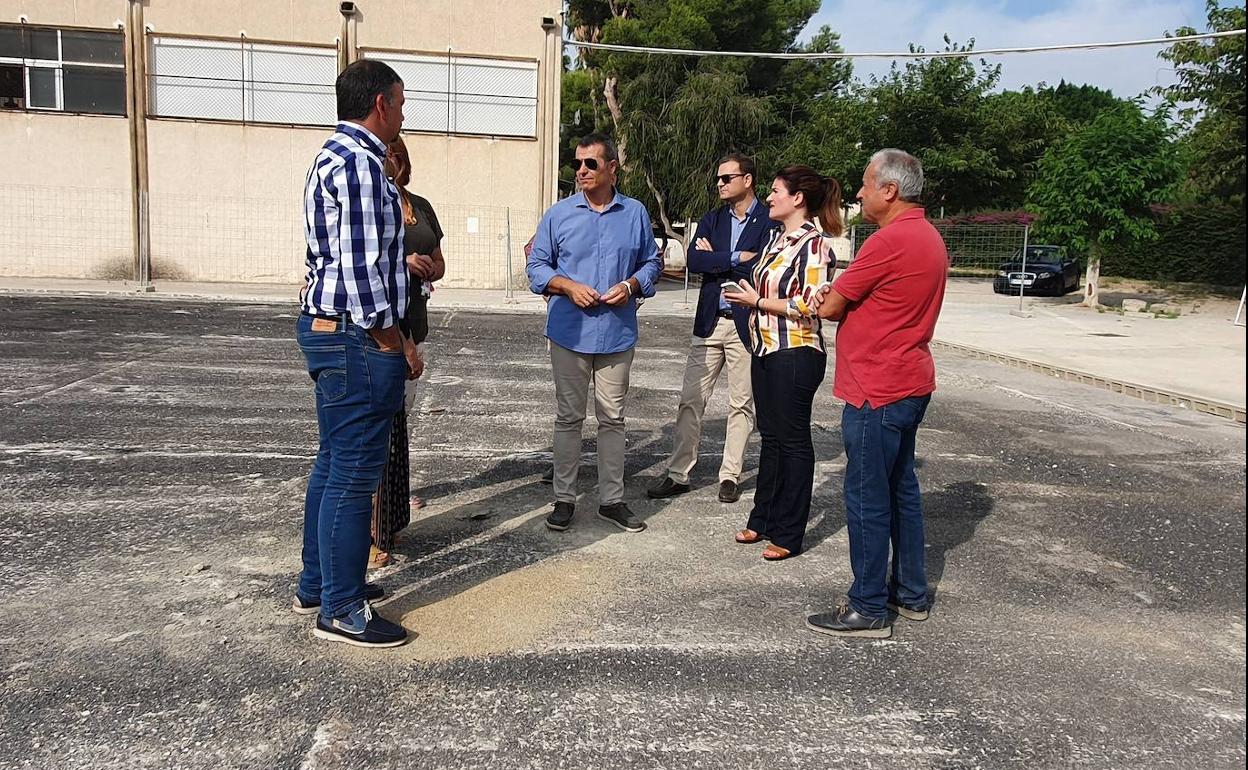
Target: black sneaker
{"points": [[619, 515], [561, 517], [302, 606], [361, 628], [729, 492], [908, 611], [667, 487], [549, 476], [845, 621]]}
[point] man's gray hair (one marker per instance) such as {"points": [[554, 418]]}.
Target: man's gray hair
{"points": [[902, 169]]}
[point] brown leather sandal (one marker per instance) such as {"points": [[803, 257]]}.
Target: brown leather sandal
{"points": [[776, 553], [747, 536]]}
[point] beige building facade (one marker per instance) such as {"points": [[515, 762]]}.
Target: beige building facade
{"points": [[170, 139]]}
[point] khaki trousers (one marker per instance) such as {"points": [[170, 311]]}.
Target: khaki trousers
{"points": [[573, 372], [707, 358]]}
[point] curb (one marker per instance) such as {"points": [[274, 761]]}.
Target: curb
{"points": [[1233, 412]]}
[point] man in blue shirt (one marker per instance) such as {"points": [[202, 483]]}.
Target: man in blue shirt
{"points": [[728, 238], [355, 294], [594, 255]]}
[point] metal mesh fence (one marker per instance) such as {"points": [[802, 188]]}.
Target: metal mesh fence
{"points": [[242, 81], [975, 250], [484, 245], [65, 232], [466, 94]]}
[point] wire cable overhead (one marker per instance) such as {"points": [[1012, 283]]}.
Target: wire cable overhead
{"points": [[905, 54]]}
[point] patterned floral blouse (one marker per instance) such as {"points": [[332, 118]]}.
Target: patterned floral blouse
{"points": [[793, 267]]}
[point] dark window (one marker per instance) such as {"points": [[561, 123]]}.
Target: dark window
{"points": [[91, 47], [42, 44], [55, 69], [11, 43], [95, 89], [42, 87]]}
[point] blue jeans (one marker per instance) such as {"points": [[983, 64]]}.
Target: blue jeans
{"points": [[882, 505], [784, 391], [359, 388]]}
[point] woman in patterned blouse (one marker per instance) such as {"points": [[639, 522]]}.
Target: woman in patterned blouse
{"points": [[789, 355]]}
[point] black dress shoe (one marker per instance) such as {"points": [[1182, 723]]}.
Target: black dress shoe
{"points": [[667, 487], [907, 611], [561, 517], [845, 621], [729, 492]]}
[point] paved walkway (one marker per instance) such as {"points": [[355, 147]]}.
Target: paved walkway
{"points": [[1201, 354]]}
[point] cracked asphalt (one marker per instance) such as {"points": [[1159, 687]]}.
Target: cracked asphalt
{"points": [[1087, 552]]}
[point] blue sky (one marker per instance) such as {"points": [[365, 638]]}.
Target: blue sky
{"points": [[1008, 23]]}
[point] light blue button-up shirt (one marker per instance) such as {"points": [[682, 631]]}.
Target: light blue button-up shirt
{"points": [[738, 227], [598, 249]]}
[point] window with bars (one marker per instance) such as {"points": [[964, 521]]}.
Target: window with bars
{"points": [[244, 81], [466, 94], [62, 70]]}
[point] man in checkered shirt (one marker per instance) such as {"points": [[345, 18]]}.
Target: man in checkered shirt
{"points": [[349, 332]]}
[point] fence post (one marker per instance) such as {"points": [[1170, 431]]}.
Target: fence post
{"points": [[853, 241], [1022, 279], [510, 275], [136, 112]]}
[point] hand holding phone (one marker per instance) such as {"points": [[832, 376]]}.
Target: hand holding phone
{"points": [[731, 286]]}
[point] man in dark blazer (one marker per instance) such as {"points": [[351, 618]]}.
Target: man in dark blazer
{"points": [[727, 240]]}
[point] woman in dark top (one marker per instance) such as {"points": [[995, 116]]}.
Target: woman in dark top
{"points": [[422, 238]]}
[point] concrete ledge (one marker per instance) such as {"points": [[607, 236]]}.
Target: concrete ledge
{"points": [[1200, 404]]}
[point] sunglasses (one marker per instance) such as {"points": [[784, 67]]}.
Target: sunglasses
{"points": [[726, 178], [590, 163]]}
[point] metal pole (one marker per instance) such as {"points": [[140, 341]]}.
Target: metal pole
{"points": [[1239, 314], [511, 277], [853, 242], [1022, 279]]}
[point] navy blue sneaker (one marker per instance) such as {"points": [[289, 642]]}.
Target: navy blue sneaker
{"points": [[361, 628], [302, 606]]}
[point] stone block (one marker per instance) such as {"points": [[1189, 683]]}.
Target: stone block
{"points": [[1165, 308], [1137, 305]]}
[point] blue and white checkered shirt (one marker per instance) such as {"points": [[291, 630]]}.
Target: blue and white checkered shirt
{"points": [[353, 223]]}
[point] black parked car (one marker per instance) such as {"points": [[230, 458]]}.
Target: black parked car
{"points": [[1049, 271]]}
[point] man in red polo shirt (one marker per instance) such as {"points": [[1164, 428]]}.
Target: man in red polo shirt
{"points": [[887, 303]]}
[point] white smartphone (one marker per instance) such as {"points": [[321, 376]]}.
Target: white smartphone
{"points": [[731, 286]]}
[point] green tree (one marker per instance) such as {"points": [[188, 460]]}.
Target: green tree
{"points": [[1094, 189], [1077, 104], [671, 116], [1210, 97], [934, 108]]}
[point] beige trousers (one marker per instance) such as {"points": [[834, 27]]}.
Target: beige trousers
{"points": [[573, 372], [707, 358]]}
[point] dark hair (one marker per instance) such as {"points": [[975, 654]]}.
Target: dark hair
{"points": [[744, 162], [608, 147], [359, 84], [822, 194]]}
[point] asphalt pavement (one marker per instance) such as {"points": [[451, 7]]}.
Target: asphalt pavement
{"points": [[1087, 553]]}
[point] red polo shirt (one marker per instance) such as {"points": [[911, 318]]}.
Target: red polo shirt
{"points": [[895, 287]]}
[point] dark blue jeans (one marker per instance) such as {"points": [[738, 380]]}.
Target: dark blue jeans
{"points": [[784, 389], [882, 505], [359, 388]]}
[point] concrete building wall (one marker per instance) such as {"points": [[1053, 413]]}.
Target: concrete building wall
{"points": [[226, 198]]}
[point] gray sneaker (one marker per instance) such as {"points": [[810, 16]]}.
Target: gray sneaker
{"points": [[619, 515]]}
